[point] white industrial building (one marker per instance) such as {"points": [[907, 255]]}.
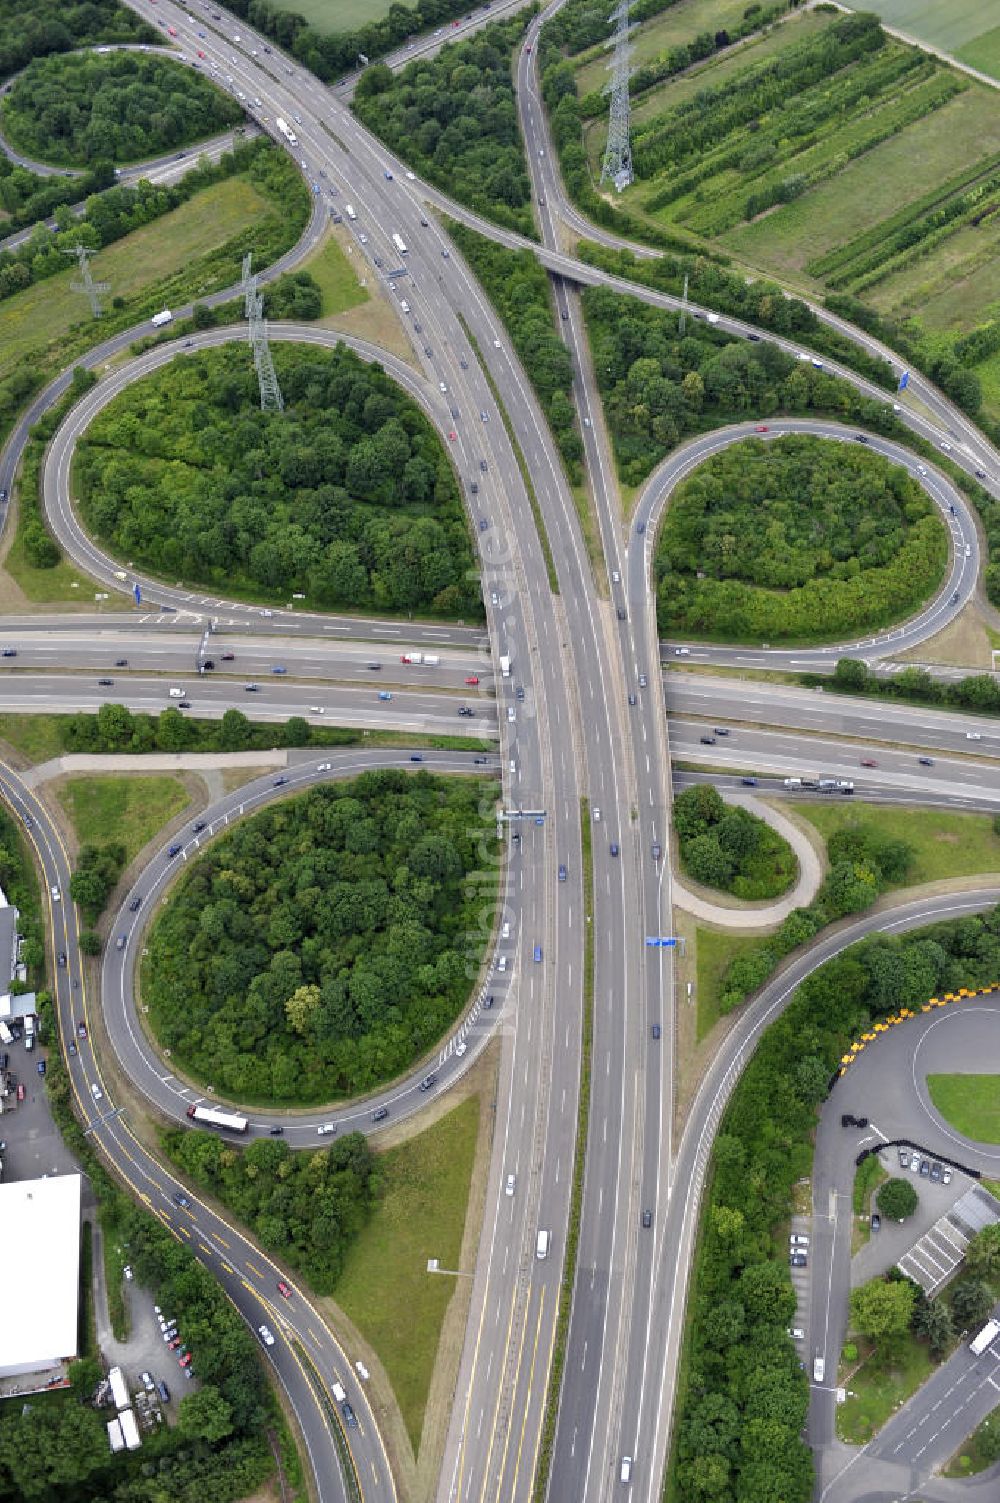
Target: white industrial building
{"points": [[41, 1230]]}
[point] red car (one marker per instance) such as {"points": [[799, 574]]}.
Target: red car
{"points": [[171, 31], [173, 1345], [284, 1289], [20, 1093], [472, 679], [761, 427], [201, 54], [453, 435], [868, 762], [186, 1361]]}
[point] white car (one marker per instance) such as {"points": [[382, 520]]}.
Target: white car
{"points": [[973, 736], [55, 892], [266, 1335], [324, 767], [511, 714], [798, 1240], [505, 930], [511, 1182], [597, 815], [363, 239], [796, 1333], [461, 1047]]}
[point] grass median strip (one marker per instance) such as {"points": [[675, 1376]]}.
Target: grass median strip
{"points": [[552, 1397], [385, 1288], [335, 1425], [971, 1103], [132, 808], [536, 510]]}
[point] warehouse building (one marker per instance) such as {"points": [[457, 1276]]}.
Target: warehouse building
{"points": [[41, 1229]]}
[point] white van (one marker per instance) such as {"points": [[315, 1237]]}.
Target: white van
{"points": [[625, 1473], [338, 1392], [542, 1245], [176, 693], [404, 305], [502, 963]]}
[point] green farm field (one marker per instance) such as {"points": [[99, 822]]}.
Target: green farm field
{"points": [[855, 164], [870, 189], [671, 29], [341, 15], [966, 28]]}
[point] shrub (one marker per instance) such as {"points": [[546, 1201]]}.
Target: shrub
{"points": [[897, 1199]]}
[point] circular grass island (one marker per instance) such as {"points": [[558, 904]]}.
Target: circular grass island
{"points": [[727, 848], [968, 1103], [346, 498], [320, 947], [796, 540], [75, 109]]}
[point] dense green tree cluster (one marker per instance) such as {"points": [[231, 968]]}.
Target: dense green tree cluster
{"points": [[305, 1208], [97, 870], [744, 1398], [794, 538], [114, 106], [115, 728], [346, 496], [27, 196], [658, 385], [322, 945], [20, 887], [977, 692], [897, 1199], [35, 28], [863, 862], [295, 295], [758, 301], [521, 292], [727, 847], [453, 117]]}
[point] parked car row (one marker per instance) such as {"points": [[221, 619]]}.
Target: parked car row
{"points": [[928, 1168], [174, 1343]]}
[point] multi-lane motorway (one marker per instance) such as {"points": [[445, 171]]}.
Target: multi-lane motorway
{"points": [[575, 734]]}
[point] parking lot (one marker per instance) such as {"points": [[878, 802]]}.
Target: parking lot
{"points": [[34, 1145]]}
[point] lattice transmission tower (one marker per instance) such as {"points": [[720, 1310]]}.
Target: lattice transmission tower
{"points": [[271, 399], [617, 164], [92, 290]]}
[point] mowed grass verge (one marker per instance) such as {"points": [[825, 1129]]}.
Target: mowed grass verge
{"points": [[879, 1385], [948, 24], [944, 845], [129, 809], [717, 949], [971, 1103], [32, 319], [332, 16], [385, 1288], [336, 277]]}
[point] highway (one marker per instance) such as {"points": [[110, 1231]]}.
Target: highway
{"points": [[577, 735], [738, 703], [125, 650]]}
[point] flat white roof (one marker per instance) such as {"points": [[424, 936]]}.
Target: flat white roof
{"points": [[40, 1221]]}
